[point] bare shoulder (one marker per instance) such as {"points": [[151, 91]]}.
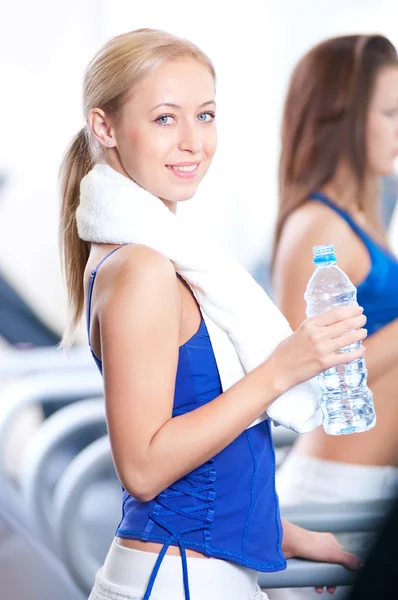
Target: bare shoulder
{"points": [[144, 263], [136, 272], [315, 220], [313, 224]]}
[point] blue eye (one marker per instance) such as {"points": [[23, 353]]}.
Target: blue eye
{"points": [[391, 113], [164, 120], [206, 117]]}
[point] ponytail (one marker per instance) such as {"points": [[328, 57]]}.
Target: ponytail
{"points": [[74, 252]]}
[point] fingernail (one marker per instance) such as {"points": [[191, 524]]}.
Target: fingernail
{"points": [[358, 564]]}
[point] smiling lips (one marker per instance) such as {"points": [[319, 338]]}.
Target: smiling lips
{"points": [[187, 170]]}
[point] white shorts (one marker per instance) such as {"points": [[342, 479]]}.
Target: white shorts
{"points": [[126, 573], [308, 480], [305, 479]]}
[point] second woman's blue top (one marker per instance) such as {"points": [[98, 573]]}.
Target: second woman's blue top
{"points": [[378, 292]]}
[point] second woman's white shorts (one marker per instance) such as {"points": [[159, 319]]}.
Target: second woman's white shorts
{"points": [[309, 480], [305, 479], [126, 572]]}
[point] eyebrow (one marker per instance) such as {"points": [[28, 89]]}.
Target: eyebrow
{"points": [[171, 105]]}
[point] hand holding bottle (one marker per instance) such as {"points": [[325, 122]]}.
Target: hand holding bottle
{"points": [[313, 347]]}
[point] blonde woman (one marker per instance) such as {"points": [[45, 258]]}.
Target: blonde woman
{"points": [[200, 515]]}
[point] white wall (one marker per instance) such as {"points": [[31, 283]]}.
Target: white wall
{"points": [[44, 48]]}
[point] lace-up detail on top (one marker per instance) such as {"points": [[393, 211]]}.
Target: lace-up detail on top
{"points": [[191, 498]]}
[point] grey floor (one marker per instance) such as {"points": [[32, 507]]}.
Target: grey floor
{"points": [[28, 571]]}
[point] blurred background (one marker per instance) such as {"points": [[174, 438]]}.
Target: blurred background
{"points": [[44, 49], [45, 464]]}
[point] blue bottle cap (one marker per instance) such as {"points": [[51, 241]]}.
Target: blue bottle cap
{"points": [[324, 254]]}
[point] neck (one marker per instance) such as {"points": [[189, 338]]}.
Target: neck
{"points": [[344, 190], [172, 206]]}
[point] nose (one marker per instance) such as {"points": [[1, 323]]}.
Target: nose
{"points": [[190, 137]]}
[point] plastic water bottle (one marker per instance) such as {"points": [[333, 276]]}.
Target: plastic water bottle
{"points": [[346, 401]]}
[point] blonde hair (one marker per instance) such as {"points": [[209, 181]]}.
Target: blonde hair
{"points": [[109, 79]]}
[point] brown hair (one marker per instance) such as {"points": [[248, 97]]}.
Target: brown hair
{"points": [[108, 82], [325, 118]]}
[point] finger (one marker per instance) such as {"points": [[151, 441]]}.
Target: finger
{"points": [[336, 555], [331, 539], [336, 359], [342, 327], [319, 590], [337, 314], [345, 340], [331, 589]]}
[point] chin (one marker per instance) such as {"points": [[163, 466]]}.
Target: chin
{"points": [[185, 197], [182, 195], [385, 170]]}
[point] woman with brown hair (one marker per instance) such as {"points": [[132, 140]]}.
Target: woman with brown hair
{"points": [[339, 135]]}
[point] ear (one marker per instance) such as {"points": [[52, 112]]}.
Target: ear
{"points": [[101, 128]]}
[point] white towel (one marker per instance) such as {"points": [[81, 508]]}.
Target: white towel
{"points": [[244, 325]]}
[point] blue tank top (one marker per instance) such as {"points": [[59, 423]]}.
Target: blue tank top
{"points": [[227, 508], [378, 292]]}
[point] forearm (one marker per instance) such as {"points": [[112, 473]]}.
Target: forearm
{"points": [[382, 351], [185, 442], [288, 538]]}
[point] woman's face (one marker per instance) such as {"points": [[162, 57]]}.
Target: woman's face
{"points": [[166, 137], [382, 125]]}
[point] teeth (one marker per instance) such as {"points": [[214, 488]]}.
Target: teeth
{"points": [[187, 168]]}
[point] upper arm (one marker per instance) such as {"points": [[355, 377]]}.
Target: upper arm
{"points": [[310, 225], [139, 319]]}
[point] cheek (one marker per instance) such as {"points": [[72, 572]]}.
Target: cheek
{"points": [[210, 144], [145, 147], [160, 140], [380, 147], [379, 139]]}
